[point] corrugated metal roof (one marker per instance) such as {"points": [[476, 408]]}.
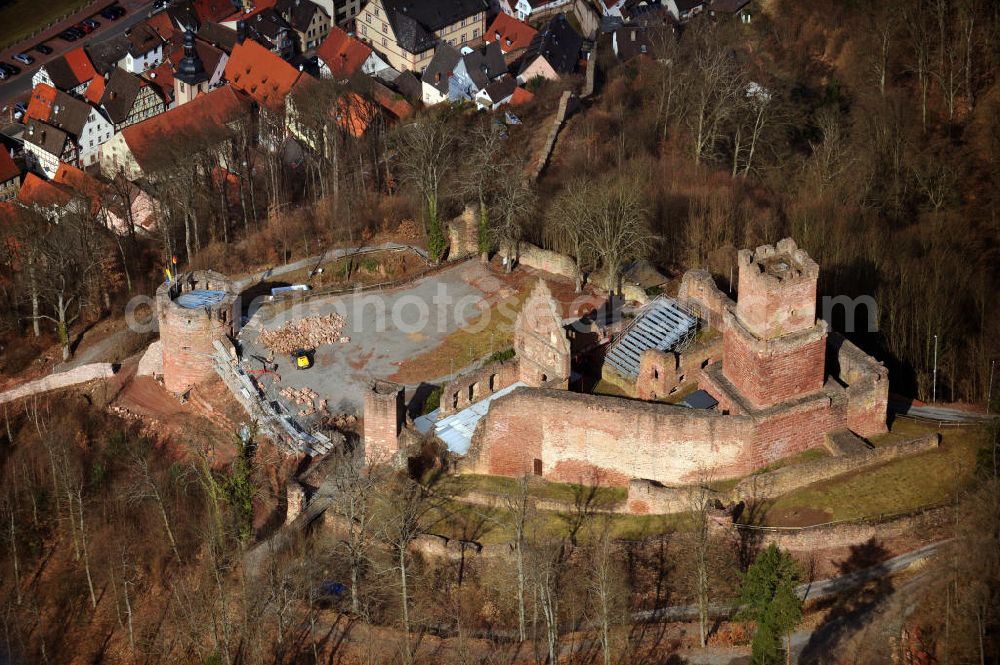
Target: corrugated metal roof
{"points": [[661, 325], [456, 430]]}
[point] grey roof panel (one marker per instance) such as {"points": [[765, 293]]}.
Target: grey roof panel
{"points": [[661, 325]]}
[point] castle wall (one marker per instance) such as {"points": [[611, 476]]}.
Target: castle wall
{"points": [[699, 293], [777, 289], [772, 371], [385, 412], [477, 385], [463, 233], [867, 383], [611, 440], [662, 373]]}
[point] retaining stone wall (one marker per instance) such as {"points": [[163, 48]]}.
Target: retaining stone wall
{"points": [[72, 377], [784, 480]]}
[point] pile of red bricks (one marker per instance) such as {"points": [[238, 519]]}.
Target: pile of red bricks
{"points": [[306, 398], [308, 333]]}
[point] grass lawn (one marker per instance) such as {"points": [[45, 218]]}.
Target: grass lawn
{"points": [[540, 489], [900, 485], [468, 344], [20, 18]]}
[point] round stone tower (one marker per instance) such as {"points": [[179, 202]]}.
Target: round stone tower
{"points": [[194, 310]]}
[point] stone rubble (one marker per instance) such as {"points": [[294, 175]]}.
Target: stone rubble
{"points": [[308, 333]]}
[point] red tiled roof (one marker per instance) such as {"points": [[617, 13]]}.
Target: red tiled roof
{"points": [[95, 90], [342, 53], [35, 190], [520, 96], [162, 25], [262, 75], [79, 182], [43, 97], [8, 169], [390, 101], [258, 7], [518, 33], [80, 64], [162, 78], [212, 109]]}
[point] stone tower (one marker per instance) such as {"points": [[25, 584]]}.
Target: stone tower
{"points": [[540, 340], [774, 347], [385, 412], [190, 79], [194, 310]]}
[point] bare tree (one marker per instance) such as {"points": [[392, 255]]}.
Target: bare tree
{"points": [[483, 171], [515, 201], [616, 229], [354, 494], [713, 91], [424, 146], [566, 226], [604, 586], [520, 506]]}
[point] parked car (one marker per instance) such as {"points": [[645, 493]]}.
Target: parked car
{"points": [[68, 36], [21, 106], [84, 28], [9, 69], [43, 49], [3, 75], [113, 13], [160, 5], [24, 58], [92, 23]]}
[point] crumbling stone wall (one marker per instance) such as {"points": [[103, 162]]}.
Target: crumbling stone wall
{"points": [[540, 340], [463, 233], [385, 413], [477, 385], [699, 293], [535, 257], [647, 497], [187, 334], [571, 437], [663, 373], [867, 382]]}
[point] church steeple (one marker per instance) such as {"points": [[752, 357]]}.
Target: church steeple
{"points": [[190, 78], [190, 70]]}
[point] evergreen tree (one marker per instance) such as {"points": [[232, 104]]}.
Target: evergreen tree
{"points": [[768, 598]]}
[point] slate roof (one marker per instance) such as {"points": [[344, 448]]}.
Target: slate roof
{"points": [[120, 94], [50, 139], [441, 67], [262, 75], [218, 36], [69, 113], [268, 23], [632, 41], [342, 53], [484, 64], [510, 33], [558, 43], [501, 89], [106, 54], [71, 69], [142, 39], [414, 22], [298, 13], [408, 85]]}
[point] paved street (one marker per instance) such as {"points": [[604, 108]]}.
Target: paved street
{"points": [[19, 86]]}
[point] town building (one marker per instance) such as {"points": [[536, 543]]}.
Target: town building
{"points": [[71, 72], [510, 34], [341, 56], [129, 99], [309, 21], [406, 32], [553, 52]]}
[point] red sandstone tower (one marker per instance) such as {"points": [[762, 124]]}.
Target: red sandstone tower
{"points": [[194, 310], [385, 412], [774, 347]]}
